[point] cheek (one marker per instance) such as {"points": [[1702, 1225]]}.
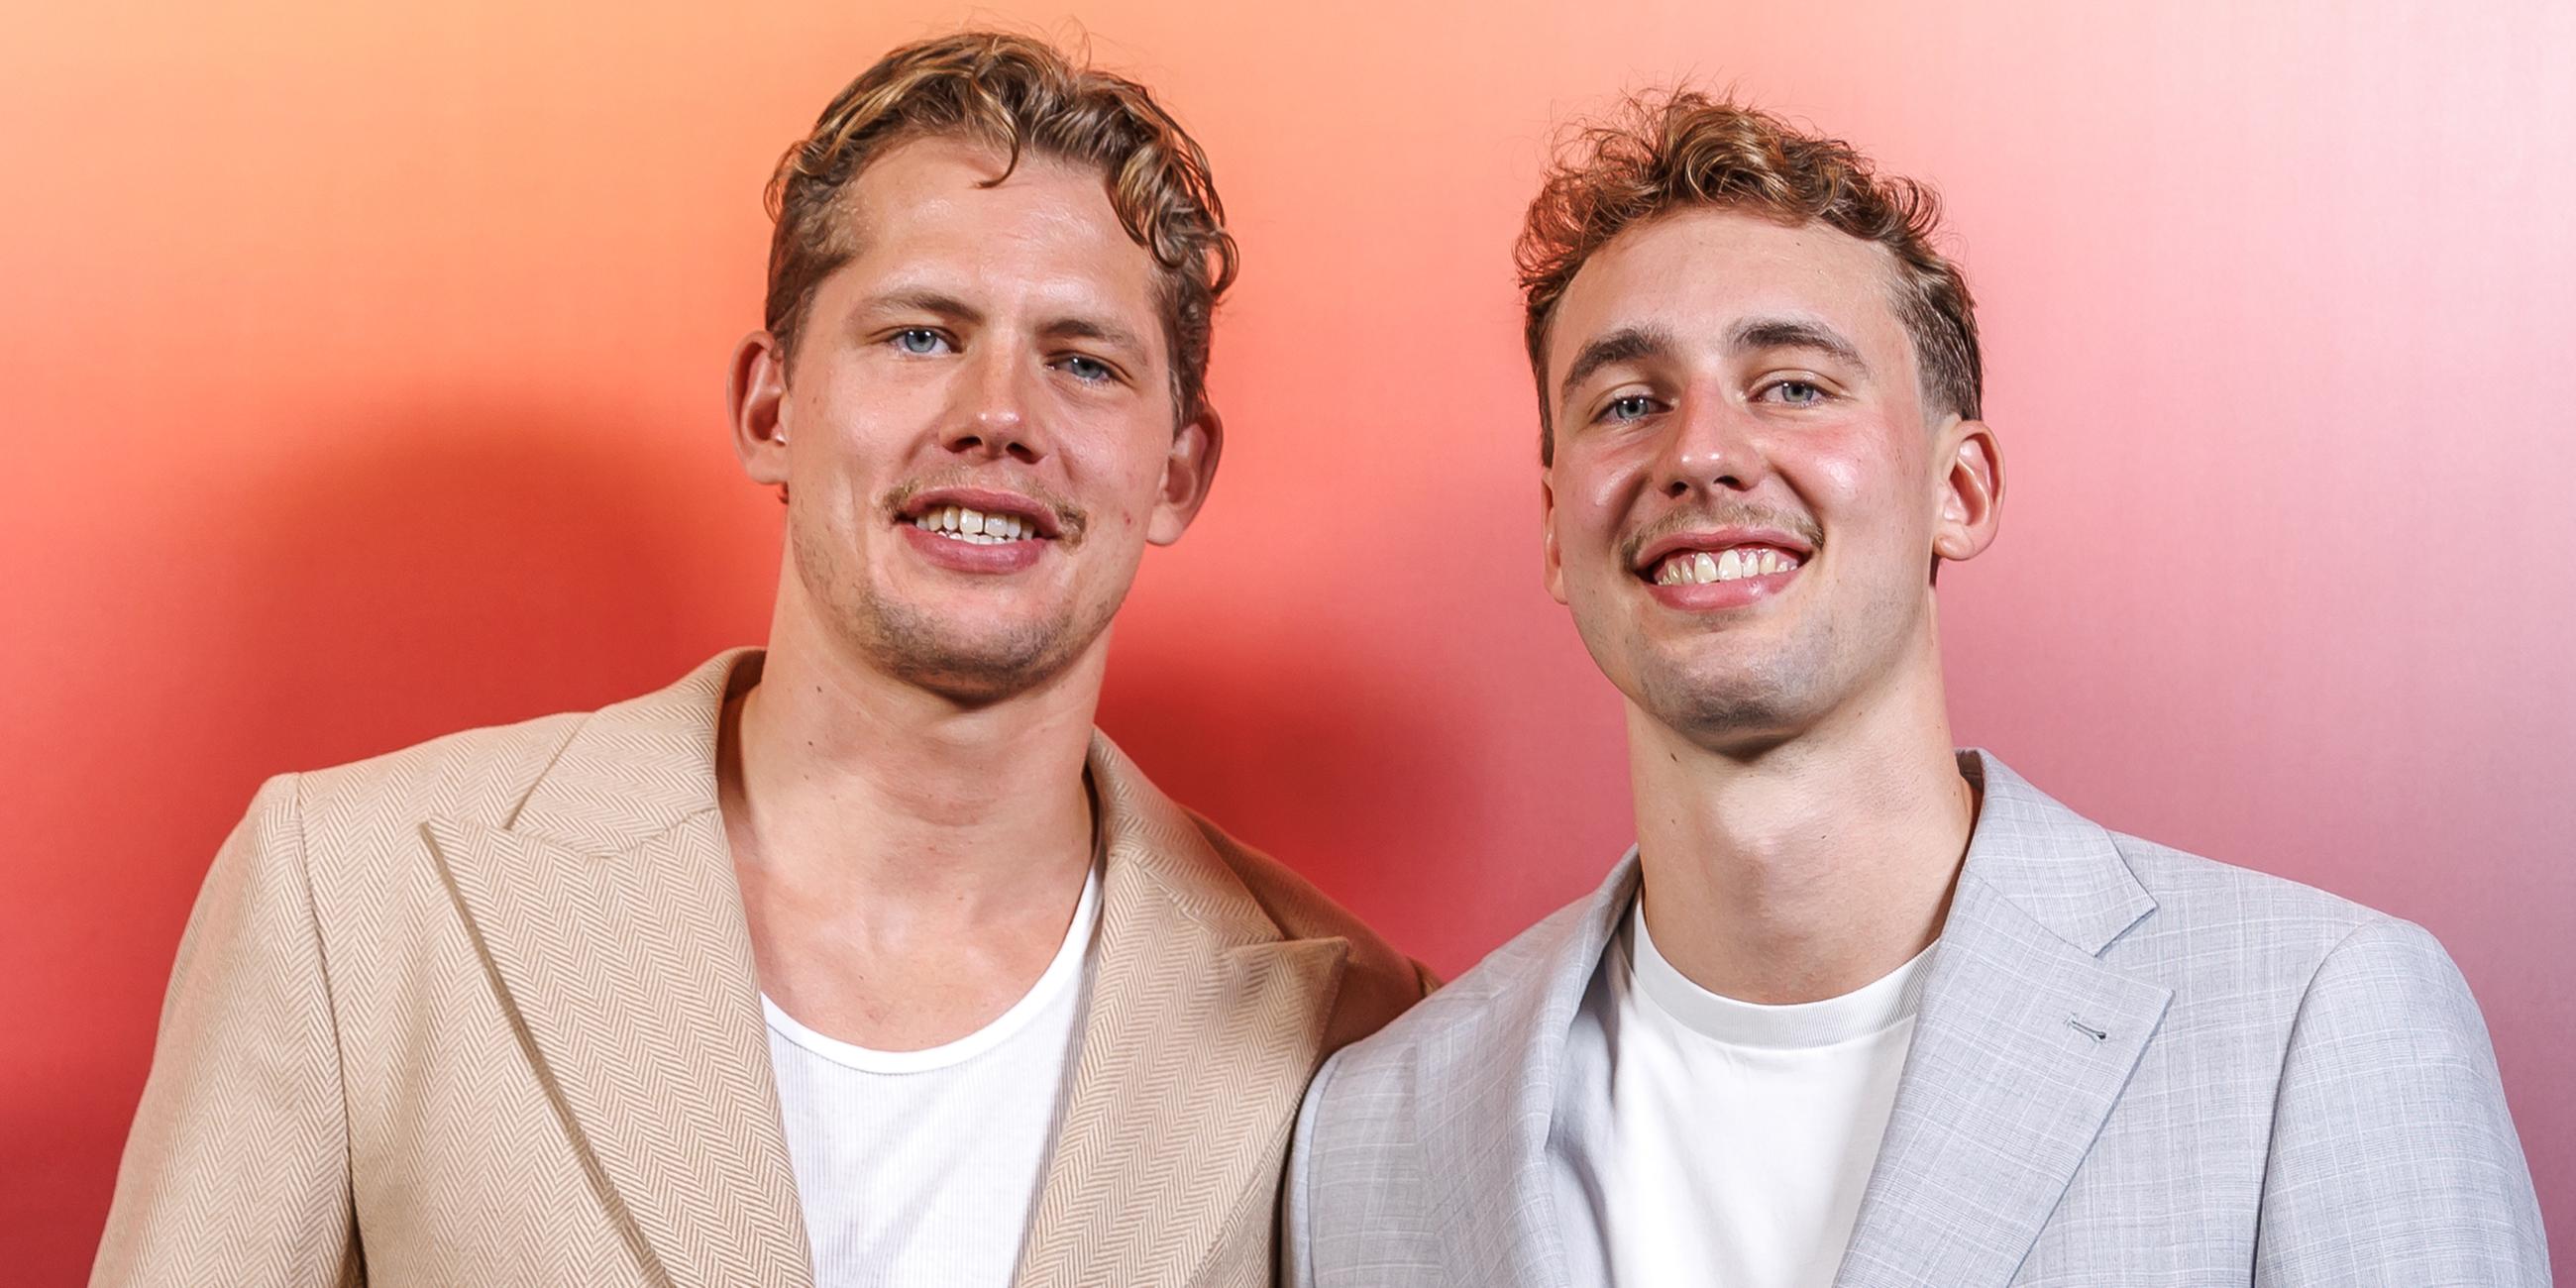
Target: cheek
{"points": [[1833, 469], [1093, 460], [1854, 481], [1867, 492], [826, 431], [1591, 501], [860, 440], [1113, 471], [1586, 536]]}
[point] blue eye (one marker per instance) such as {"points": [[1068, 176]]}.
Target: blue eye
{"points": [[1628, 408], [1091, 370], [1796, 393], [918, 340]]}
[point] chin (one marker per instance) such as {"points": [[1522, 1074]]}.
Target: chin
{"points": [[988, 663], [983, 660], [1742, 708], [972, 681]]}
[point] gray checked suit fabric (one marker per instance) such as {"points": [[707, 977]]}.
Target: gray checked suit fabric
{"points": [[2131, 1066]]}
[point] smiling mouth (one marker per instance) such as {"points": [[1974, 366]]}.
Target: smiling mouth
{"points": [[1763, 548], [1735, 563], [976, 528], [1003, 519]]}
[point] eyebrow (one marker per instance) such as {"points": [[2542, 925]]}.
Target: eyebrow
{"points": [[1082, 328], [1795, 333], [1638, 343], [914, 300], [1627, 344]]}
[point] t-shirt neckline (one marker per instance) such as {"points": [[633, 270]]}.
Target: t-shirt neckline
{"points": [[1871, 1009], [1063, 973]]}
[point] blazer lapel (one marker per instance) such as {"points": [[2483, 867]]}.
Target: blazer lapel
{"points": [[608, 915], [1485, 1136], [1201, 1029], [2024, 1042]]}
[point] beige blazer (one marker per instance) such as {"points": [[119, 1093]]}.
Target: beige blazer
{"points": [[483, 1012]]}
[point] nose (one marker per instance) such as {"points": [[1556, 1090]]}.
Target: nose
{"points": [[991, 418], [1710, 447]]}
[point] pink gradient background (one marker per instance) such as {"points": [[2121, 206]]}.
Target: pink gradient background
{"points": [[364, 374]]}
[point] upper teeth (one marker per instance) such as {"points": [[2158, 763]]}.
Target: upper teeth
{"points": [[960, 524], [1683, 567]]}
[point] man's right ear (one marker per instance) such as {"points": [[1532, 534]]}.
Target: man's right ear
{"points": [[1553, 559], [756, 402]]}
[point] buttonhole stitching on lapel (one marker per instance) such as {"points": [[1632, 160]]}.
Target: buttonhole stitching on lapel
{"points": [[2087, 1030]]}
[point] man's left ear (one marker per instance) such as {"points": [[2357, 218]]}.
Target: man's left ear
{"points": [[1972, 490], [1189, 470]]}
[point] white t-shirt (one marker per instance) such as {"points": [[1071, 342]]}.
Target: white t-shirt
{"points": [[921, 1167], [1721, 1144]]}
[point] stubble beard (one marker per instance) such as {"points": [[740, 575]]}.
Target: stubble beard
{"points": [[1747, 704], [1756, 703], [927, 652]]}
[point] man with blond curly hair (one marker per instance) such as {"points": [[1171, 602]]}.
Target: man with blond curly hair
{"points": [[861, 960], [1859, 1009]]}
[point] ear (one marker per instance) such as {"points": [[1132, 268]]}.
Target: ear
{"points": [[1551, 558], [1189, 470], [1972, 491], [756, 404]]}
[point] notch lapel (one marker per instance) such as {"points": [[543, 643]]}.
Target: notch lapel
{"points": [[1199, 1033], [612, 927], [2023, 1045]]}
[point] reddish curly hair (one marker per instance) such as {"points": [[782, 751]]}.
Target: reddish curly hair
{"points": [[1675, 149]]}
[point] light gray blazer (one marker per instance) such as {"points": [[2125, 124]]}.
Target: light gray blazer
{"points": [[2131, 1066]]}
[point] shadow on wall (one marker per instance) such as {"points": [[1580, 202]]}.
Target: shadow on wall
{"points": [[1321, 760], [480, 565], [426, 571]]}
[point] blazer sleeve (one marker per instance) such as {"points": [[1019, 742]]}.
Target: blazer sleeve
{"points": [[2393, 1159], [237, 1170]]}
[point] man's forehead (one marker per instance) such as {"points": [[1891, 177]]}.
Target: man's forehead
{"points": [[939, 188], [1699, 275], [921, 217]]}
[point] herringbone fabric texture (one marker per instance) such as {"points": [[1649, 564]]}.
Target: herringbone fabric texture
{"points": [[2131, 1066], [484, 1012]]}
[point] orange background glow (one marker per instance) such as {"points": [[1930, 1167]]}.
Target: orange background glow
{"points": [[364, 372]]}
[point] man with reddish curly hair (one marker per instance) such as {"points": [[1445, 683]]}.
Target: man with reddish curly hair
{"points": [[860, 960], [1858, 1009]]}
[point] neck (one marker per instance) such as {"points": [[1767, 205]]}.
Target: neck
{"points": [[868, 791], [1809, 867]]}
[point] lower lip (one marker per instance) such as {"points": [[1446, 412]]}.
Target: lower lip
{"points": [[1712, 596], [974, 557]]}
